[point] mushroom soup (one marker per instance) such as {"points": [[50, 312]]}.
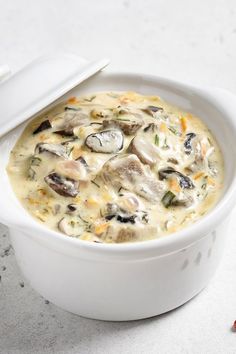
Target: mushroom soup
{"points": [[116, 167]]}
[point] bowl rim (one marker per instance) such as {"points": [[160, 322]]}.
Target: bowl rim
{"points": [[163, 245]]}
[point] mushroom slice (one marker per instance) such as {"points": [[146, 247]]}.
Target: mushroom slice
{"points": [[129, 127], [66, 187], [146, 151], [55, 149], [107, 141], [43, 126], [151, 110], [118, 233], [70, 226], [128, 172], [184, 181], [82, 160], [188, 143]]}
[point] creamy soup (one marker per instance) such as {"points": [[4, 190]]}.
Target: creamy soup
{"points": [[116, 167]]}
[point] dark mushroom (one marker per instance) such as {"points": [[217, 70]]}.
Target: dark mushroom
{"points": [[65, 132], [126, 218], [67, 108], [184, 181], [82, 161], [43, 126], [107, 141], [188, 143], [66, 187], [71, 208], [151, 110], [114, 211]]}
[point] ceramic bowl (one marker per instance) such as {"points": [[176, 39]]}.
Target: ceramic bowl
{"points": [[136, 280]]}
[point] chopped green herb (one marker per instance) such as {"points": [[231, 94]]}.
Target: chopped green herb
{"points": [[156, 140], [173, 130], [165, 145], [168, 199], [96, 184]]}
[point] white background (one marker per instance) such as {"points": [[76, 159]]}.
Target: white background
{"points": [[186, 40]]}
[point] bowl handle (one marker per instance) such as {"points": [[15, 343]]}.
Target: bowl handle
{"points": [[227, 100]]}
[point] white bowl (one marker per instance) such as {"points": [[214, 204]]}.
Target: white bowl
{"points": [[128, 281]]}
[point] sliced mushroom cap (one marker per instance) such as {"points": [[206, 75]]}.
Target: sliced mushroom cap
{"points": [[108, 141], [188, 143], [55, 149], [146, 151], [184, 181], [82, 160], [128, 172], [66, 187], [43, 126], [71, 208], [70, 226], [151, 110]]}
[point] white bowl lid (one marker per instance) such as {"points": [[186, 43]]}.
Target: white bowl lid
{"points": [[40, 83]]}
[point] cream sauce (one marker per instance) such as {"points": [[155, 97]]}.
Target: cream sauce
{"points": [[166, 171]]}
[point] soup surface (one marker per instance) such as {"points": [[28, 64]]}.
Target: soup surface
{"points": [[116, 167]]}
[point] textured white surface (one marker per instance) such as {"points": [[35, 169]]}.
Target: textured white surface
{"points": [[186, 40]]}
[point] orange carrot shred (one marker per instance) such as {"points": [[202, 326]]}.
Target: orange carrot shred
{"points": [[183, 121]]}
